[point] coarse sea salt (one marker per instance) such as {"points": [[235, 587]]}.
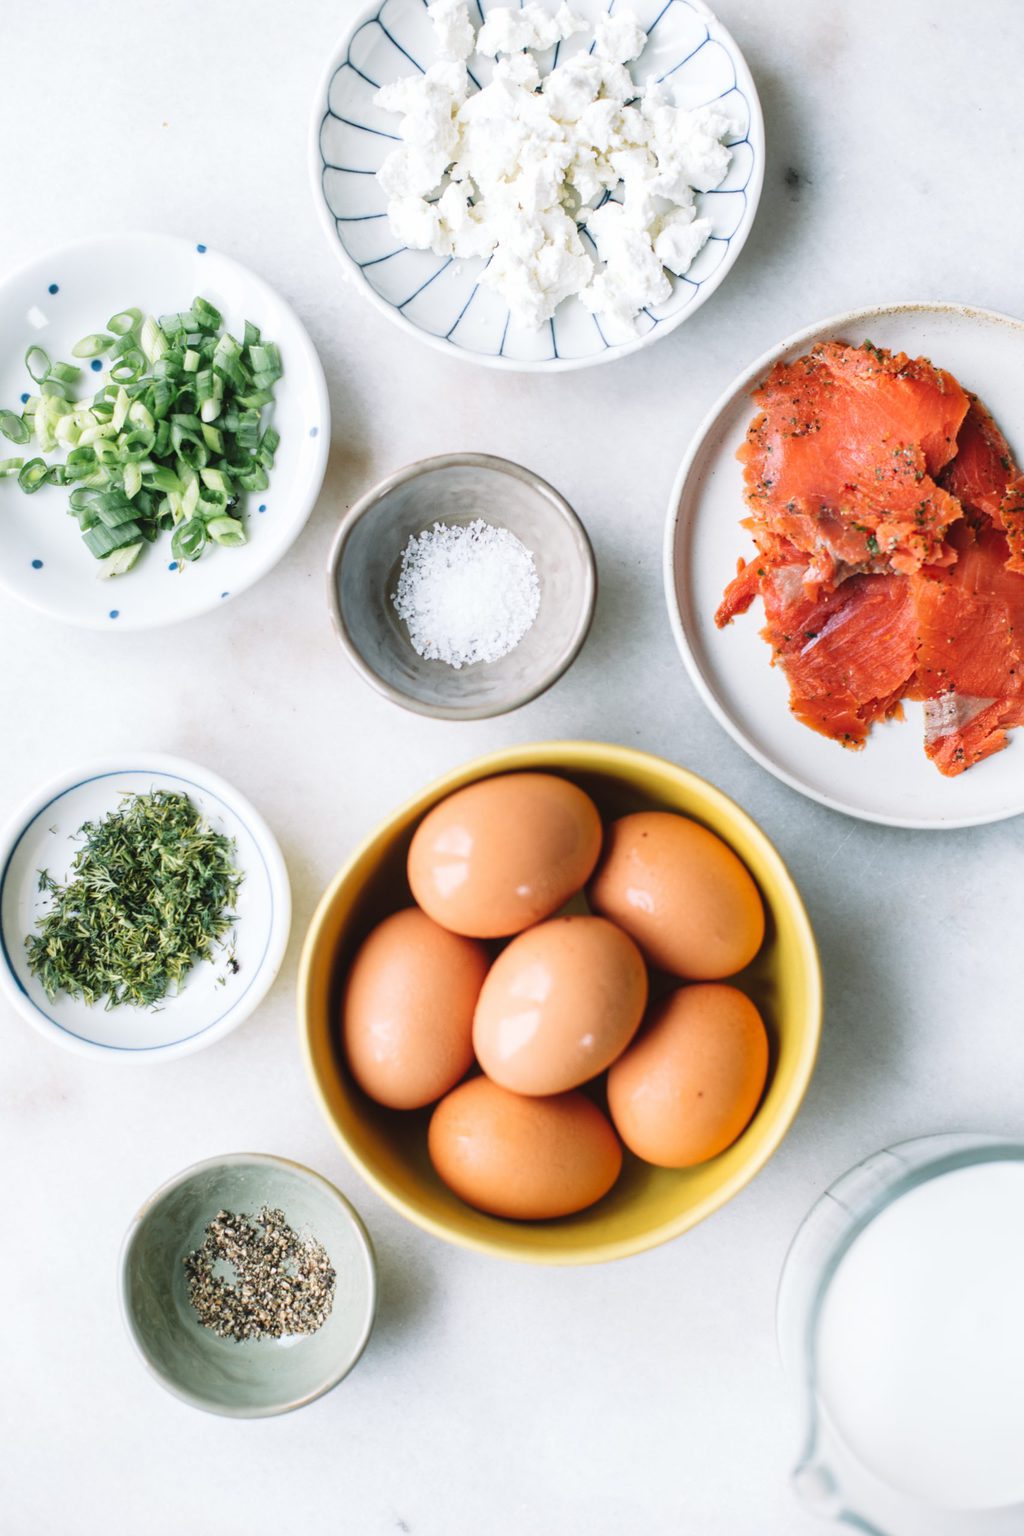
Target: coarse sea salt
{"points": [[466, 593]]}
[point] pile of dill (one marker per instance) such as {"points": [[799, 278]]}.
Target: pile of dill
{"points": [[150, 892]]}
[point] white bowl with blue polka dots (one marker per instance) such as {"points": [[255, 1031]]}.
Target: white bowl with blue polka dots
{"points": [[440, 299], [71, 293], [219, 993]]}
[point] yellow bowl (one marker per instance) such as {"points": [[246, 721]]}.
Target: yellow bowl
{"points": [[648, 1205]]}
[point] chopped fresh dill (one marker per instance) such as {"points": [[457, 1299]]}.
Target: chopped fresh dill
{"points": [[150, 893]]}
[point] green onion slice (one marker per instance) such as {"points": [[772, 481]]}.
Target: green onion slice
{"points": [[14, 427], [124, 321], [33, 474], [38, 363], [227, 531], [92, 346]]}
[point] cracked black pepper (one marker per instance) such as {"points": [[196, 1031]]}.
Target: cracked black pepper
{"points": [[252, 1277]]}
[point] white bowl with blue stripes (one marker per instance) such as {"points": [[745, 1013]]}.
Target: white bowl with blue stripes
{"points": [[439, 299], [216, 996]]}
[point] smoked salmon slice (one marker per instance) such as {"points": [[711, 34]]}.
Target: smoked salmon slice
{"points": [[888, 515], [841, 460], [970, 650]]}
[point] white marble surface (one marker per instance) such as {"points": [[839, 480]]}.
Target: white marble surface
{"points": [[642, 1396]]}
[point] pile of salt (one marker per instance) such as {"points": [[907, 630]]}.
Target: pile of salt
{"points": [[467, 593]]}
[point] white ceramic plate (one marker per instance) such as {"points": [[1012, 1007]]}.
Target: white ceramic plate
{"points": [[439, 299], [890, 781], [215, 998], [72, 292]]}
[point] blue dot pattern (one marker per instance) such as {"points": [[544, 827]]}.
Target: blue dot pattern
{"points": [[201, 249], [313, 431], [24, 399], [114, 612], [225, 594], [53, 288], [37, 565], [95, 365], [262, 507], [173, 565]]}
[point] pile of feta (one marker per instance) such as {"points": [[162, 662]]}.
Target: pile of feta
{"points": [[516, 171]]}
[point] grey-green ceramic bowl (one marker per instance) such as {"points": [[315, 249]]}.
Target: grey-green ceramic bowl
{"points": [[455, 488], [253, 1379]]}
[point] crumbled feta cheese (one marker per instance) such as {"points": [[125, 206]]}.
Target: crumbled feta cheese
{"points": [[507, 30], [619, 38], [571, 87], [513, 171], [518, 69], [567, 22], [415, 221], [679, 237], [539, 263], [452, 28], [633, 277]]}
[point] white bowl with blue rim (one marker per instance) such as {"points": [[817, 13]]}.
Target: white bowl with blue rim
{"points": [[439, 299], [70, 293], [218, 993]]}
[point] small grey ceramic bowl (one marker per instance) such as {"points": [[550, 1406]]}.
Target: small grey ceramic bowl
{"points": [[455, 488], [257, 1378]]}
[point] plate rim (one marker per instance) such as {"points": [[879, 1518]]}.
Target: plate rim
{"points": [[279, 932], [137, 623], [440, 344], [741, 385]]}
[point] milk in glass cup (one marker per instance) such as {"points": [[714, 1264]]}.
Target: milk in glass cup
{"points": [[901, 1325]]}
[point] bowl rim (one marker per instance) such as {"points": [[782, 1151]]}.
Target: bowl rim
{"points": [[557, 505], [316, 378], [610, 758], [741, 385], [231, 1160], [277, 871], [440, 344]]}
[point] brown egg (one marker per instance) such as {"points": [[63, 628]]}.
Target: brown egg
{"points": [[529, 1159], [407, 1013], [681, 893], [559, 1004], [693, 1078], [504, 853]]}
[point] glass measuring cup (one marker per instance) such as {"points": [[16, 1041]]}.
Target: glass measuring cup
{"points": [[831, 1478]]}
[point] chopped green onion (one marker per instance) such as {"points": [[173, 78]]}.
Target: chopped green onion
{"points": [[161, 478], [207, 318], [92, 346], [67, 373], [152, 339], [215, 480], [14, 427], [33, 474], [129, 366], [38, 363], [168, 445], [119, 560], [124, 321], [101, 540], [227, 531], [189, 540]]}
